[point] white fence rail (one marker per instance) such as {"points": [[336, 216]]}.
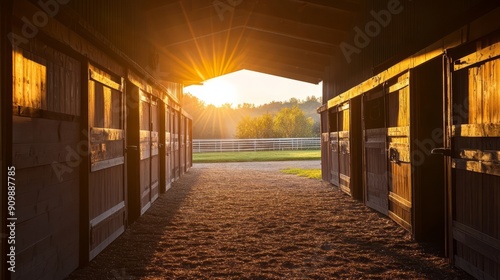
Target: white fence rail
{"points": [[264, 144]]}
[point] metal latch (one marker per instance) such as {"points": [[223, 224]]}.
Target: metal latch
{"points": [[394, 155]]}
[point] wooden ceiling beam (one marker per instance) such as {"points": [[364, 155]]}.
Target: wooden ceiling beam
{"points": [[282, 73], [342, 5], [263, 23], [292, 61], [284, 66]]}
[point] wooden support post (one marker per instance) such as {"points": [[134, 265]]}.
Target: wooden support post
{"points": [[84, 167]]}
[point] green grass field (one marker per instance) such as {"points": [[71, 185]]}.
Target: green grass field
{"points": [[309, 173], [256, 156]]}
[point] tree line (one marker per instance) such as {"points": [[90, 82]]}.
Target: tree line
{"points": [[287, 123], [292, 118]]}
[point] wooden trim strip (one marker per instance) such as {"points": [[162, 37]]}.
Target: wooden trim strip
{"points": [[486, 242], [345, 178], [322, 108], [478, 155], [400, 131], [400, 85], [43, 114], [476, 130], [382, 132], [105, 81], [471, 269], [106, 214], [145, 208], [144, 96], [375, 145], [437, 49], [343, 134], [99, 134], [103, 164], [399, 221], [343, 107], [491, 168], [140, 83], [106, 242], [345, 189], [477, 57], [400, 201]]}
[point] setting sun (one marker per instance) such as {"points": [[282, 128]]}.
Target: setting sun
{"points": [[215, 91]]}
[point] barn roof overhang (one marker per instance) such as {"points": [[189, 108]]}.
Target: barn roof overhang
{"points": [[196, 40]]}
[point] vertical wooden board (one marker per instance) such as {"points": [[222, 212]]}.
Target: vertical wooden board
{"points": [[466, 196], [334, 161], [116, 109], [144, 116], [56, 97], [107, 109], [27, 94], [490, 204], [18, 76], [99, 112], [155, 179], [490, 93], [404, 107], [50, 86], [376, 178], [63, 98], [475, 92], [145, 181], [91, 104], [105, 190]]}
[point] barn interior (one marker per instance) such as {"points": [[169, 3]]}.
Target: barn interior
{"points": [[92, 119]]}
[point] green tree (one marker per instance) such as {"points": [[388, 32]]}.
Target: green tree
{"points": [[246, 128], [292, 122], [264, 127]]}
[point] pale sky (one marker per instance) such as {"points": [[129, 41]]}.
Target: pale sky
{"points": [[246, 86]]}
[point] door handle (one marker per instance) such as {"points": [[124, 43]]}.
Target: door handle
{"points": [[441, 151]]}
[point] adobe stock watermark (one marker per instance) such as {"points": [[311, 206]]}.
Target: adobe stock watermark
{"points": [[40, 19], [363, 37], [221, 8]]}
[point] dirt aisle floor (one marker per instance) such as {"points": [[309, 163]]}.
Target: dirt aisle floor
{"points": [[249, 221]]}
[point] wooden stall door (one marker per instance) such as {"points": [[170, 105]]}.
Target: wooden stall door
{"points": [[155, 158], [189, 144], [183, 145], [333, 146], [344, 146], [168, 148], [176, 146], [334, 159], [374, 136], [107, 171], [149, 147], [474, 198], [398, 155]]}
